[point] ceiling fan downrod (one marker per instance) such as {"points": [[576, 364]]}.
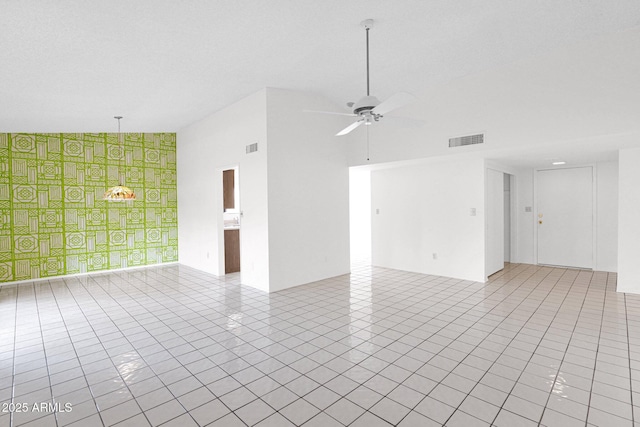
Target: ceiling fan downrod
{"points": [[367, 24]]}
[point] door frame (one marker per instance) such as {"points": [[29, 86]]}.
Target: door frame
{"points": [[220, 210], [489, 220], [514, 220], [594, 210]]}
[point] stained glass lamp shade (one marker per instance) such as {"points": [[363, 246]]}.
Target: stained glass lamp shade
{"points": [[119, 193]]}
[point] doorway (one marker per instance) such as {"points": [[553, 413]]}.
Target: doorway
{"points": [[499, 220], [360, 216], [495, 222], [564, 221], [231, 219]]}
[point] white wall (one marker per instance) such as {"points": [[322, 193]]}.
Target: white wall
{"points": [[628, 224], [607, 216], [294, 192], [204, 149], [508, 221], [524, 230], [425, 209], [308, 190]]}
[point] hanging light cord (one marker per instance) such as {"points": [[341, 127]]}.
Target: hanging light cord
{"points": [[122, 151], [119, 192]]}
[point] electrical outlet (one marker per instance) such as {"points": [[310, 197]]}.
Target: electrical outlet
{"points": [[435, 255], [472, 211], [377, 211]]}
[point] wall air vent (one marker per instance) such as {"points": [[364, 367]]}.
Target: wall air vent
{"points": [[252, 148], [466, 140]]}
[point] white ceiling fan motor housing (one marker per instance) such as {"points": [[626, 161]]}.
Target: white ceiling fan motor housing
{"points": [[364, 104]]}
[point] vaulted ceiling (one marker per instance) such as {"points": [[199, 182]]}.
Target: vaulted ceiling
{"points": [[71, 65]]}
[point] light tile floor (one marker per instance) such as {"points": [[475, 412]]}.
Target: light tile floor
{"points": [[173, 346]]}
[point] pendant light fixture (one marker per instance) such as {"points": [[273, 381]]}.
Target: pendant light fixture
{"points": [[119, 193]]}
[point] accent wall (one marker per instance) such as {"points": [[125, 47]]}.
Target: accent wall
{"points": [[53, 220]]}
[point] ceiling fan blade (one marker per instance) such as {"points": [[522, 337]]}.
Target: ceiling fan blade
{"points": [[331, 112], [349, 128], [395, 101]]}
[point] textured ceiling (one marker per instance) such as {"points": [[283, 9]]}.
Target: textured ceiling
{"points": [[71, 65]]}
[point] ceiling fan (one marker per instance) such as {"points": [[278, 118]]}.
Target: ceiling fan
{"points": [[369, 109]]}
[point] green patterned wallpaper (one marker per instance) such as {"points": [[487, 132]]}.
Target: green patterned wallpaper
{"points": [[53, 220]]}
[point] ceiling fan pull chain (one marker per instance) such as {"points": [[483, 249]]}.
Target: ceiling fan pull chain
{"points": [[367, 144]]}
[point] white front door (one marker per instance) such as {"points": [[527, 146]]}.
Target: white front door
{"points": [[565, 217], [495, 222]]}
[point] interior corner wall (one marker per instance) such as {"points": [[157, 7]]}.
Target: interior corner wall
{"points": [[422, 210], [607, 216], [308, 190], [628, 224], [204, 149], [53, 220]]}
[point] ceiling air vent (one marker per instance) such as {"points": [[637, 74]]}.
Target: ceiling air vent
{"points": [[252, 148], [466, 140]]}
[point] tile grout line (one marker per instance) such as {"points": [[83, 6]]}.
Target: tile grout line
{"points": [[400, 311], [510, 341], [164, 349], [15, 338], [84, 374], [470, 327], [462, 314], [415, 347], [44, 349], [111, 360], [75, 350], [376, 373], [425, 340], [575, 325], [595, 363], [626, 320]]}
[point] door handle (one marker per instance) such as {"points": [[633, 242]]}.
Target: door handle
{"points": [[539, 222]]}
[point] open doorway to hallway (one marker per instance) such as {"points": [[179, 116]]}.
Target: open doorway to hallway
{"points": [[360, 215], [499, 220]]}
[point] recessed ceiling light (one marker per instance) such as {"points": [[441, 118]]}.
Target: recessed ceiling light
{"points": [[558, 163]]}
